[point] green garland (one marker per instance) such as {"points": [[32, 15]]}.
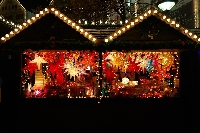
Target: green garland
{"points": [[113, 45]]}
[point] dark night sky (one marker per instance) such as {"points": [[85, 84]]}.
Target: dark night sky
{"points": [[32, 4]]}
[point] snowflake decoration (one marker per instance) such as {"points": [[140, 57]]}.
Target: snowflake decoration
{"points": [[71, 69], [143, 63]]}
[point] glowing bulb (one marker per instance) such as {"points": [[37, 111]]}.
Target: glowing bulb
{"points": [[16, 30], [177, 25], [29, 21], [173, 22], [164, 17], [61, 15], [77, 27], [168, 20], [195, 36], [46, 9], [106, 40], [37, 15], [3, 38], [132, 23], [94, 39], [56, 12], [20, 27], [73, 24], [7, 35], [128, 26], [41, 12], [52, 9]]}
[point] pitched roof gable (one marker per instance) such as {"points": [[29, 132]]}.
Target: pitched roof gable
{"points": [[152, 12], [44, 13], [17, 1]]}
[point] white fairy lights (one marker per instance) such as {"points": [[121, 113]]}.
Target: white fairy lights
{"points": [[43, 13], [147, 14], [196, 13]]}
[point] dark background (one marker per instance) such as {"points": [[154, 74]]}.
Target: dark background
{"points": [[32, 4]]}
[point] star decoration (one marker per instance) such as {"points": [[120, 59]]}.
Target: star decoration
{"points": [[71, 69], [166, 60], [117, 61], [143, 63], [38, 60]]}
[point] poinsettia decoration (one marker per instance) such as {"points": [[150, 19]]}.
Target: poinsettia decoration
{"points": [[133, 65], [31, 67]]}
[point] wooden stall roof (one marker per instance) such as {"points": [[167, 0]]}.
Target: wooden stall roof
{"points": [[5, 26], [49, 24], [152, 25]]}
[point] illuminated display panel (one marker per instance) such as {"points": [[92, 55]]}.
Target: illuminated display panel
{"points": [[67, 74], [78, 74], [140, 74]]}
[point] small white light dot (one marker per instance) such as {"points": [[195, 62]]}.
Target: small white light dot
{"points": [[3, 38]]}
